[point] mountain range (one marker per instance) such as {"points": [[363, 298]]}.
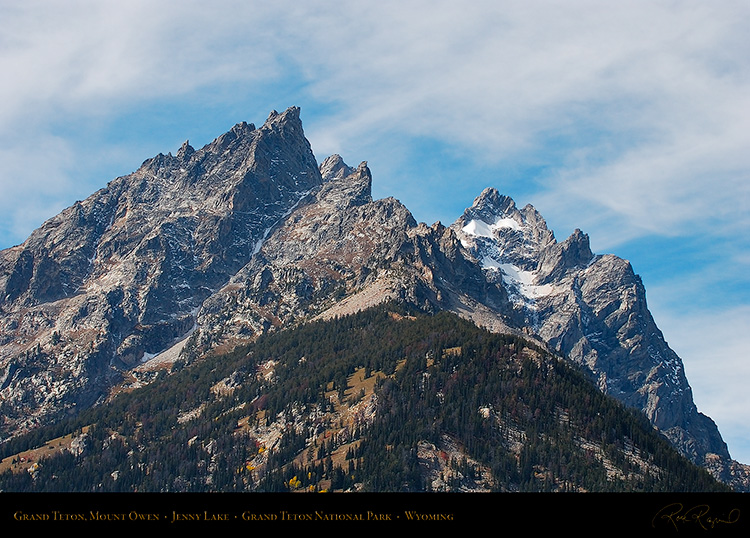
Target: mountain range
{"points": [[197, 255]]}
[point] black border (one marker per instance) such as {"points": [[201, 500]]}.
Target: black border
{"points": [[670, 514]]}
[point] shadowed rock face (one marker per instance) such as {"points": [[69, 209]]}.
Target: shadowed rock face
{"points": [[248, 235]]}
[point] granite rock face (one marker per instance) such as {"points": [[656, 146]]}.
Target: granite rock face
{"points": [[592, 310], [198, 252], [338, 252], [119, 276]]}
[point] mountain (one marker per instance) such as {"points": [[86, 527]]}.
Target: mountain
{"points": [[196, 254], [591, 309], [120, 275]]}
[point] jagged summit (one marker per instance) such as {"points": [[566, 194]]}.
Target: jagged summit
{"points": [[572, 254], [518, 240], [291, 115], [494, 214], [185, 151], [120, 276], [490, 204], [353, 185], [334, 167], [501, 235], [248, 235]]}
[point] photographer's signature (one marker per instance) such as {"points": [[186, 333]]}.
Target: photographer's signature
{"points": [[678, 516]]}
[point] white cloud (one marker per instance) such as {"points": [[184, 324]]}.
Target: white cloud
{"points": [[636, 101], [85, 55]]}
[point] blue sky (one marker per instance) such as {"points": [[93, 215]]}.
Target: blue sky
{"points": [[629, 120]]}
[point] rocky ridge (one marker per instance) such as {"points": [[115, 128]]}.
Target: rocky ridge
{"points": [[340, 252], [592, 310], [249, 234], [118, 277]]}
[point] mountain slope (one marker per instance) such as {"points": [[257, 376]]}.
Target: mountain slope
{"points": [[338, 252], [384, 400], [195, 254]]}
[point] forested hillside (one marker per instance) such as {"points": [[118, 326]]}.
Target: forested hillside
{"points": [[383, 400]]}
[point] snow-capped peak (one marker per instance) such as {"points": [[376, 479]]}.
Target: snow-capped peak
{"points": [[507, 242]]}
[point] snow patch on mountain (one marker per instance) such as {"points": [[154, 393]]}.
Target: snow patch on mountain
{"points": [[482, 237], [523, 281], [479, 228]]}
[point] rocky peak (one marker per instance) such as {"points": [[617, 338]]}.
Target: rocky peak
{"points": [[557, 258], [185, 151], [490, 205], [120, 276], [345, 186], [493, 214], [287, 121], [500, 235], [334, 167]]}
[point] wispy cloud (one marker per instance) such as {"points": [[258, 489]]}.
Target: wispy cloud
{"points": [[640, 110], [88, 57]]}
